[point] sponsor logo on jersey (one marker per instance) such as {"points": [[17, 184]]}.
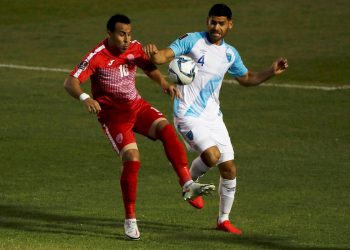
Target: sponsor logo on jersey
{"points": [[111, 62], [183, 36], [189, 135], [83, 65]]}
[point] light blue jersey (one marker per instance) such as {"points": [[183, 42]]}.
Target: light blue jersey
{"points": [[201, 98]]}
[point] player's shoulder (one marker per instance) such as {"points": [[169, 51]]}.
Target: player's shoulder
{"points": [[135, 44], [99, 47], [231, 48], [192, 36], [94, 54]]}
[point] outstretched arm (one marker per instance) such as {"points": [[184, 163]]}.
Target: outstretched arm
{"points": [[255, 78], [157, 76], [72, 85], [159, 56]]}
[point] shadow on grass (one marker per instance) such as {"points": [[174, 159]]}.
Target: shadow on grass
{"points": [[38, 220], [256, 241]]}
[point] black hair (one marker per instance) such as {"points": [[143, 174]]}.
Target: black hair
{"points": [[220, 9], [118, 18]]}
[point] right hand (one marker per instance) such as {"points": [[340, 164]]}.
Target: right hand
{"points": [[92, 105]]}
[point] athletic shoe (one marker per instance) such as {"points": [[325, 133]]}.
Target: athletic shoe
{"points": [[228, 227], [131, 230], [196, 189], [197, 202]]}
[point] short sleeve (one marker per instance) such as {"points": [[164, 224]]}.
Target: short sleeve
{"points": [[184, 44], [83, 70], [143, 60], [237, 68]]}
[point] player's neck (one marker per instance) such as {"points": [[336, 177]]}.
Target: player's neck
{"points": [[217, 43], [112, 48]]}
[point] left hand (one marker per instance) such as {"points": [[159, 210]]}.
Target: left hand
{"points": [[279, 66], [172, 91]]}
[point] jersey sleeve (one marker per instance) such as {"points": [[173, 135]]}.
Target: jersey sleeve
{"points": [[184, 44], [83, 70], [142, 60], [237, 69]]}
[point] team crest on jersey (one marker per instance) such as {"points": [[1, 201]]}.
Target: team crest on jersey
{"points": [[189, 135], [229, 57], [185, 35], [131, 58], [83, 65], [119, 138]]}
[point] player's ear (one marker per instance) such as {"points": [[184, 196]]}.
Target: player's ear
{"points": [[109, 33], [230, 24]]}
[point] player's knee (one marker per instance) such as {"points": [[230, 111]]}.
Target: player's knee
{"points": [[228, 170], [215, 156], [211, 156], [167, 133], [131, 155]]}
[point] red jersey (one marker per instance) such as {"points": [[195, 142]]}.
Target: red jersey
{"points": [[112, 77]]}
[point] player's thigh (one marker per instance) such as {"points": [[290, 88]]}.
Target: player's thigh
{"points": [[220, 135], [195, 133], [120, 136], [147, 120]]}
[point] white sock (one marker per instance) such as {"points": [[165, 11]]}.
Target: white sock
{"points": [[227, 190], [130, 220], [198, 168], [186, 185]]}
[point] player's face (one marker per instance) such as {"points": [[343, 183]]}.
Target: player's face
{"points": [[120, 37], [218, 26]]}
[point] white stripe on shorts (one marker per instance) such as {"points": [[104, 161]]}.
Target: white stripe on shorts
{"points": [[110, 138]]}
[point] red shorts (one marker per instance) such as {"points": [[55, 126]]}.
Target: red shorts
{"points": [[123, 119]]}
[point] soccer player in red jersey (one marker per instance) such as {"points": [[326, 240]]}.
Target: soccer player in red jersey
{"points": [[111, 66]]}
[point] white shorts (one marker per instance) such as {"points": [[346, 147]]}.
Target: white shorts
{"points": [[200, 134]]}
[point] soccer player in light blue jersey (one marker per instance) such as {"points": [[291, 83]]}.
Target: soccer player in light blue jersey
{"points": [[197, 114]]}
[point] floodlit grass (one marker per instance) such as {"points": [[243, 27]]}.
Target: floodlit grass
{"points": [[59, 181]]}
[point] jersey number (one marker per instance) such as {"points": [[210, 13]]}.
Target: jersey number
{"points": [[201, 60], [124, 71]]}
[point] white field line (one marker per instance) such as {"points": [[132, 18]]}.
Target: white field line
{"points": [[279, 85]]}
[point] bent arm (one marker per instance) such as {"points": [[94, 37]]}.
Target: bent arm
{"points": [[159, 56], [256, 78], [157, 76], [72, 86]]}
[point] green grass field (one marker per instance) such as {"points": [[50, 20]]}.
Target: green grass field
{"points": [[59, 181]]}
